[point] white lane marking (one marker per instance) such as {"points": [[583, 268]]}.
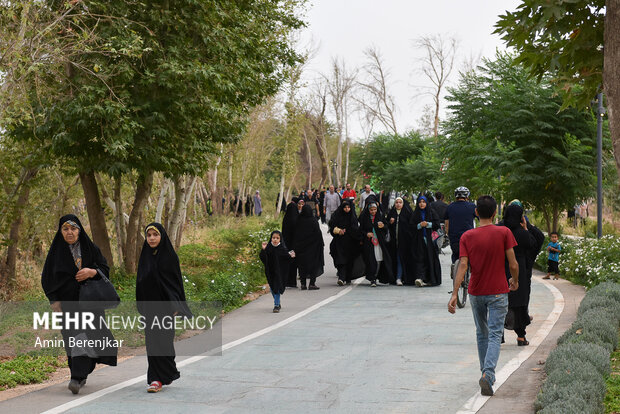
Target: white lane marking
{"points": [[476, 402], [90, 397]]}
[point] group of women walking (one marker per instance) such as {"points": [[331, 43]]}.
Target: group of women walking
{"points": [[73, 260]]}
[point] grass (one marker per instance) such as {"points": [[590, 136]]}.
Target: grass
{"points": [[219, 263], [612, 398]]}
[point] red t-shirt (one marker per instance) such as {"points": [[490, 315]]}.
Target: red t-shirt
{"points": [[485, 249], [349, 194]]}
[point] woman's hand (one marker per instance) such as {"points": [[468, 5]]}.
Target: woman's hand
{"points": [[392, 220], [369, 235], [523, 223], [264, 245], [292, 253], [380, 224], [423, 224], [85, 273], [342, 232]]}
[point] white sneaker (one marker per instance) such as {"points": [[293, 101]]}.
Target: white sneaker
{"points": [[399, 282], [419, 283]]}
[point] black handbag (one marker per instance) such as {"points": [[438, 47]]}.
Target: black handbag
{"points": [[98, 294]]}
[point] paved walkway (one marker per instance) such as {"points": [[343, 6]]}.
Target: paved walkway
{"points": [[355, 349]]}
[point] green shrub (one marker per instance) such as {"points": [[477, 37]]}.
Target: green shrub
{"points": [[595, 326], [571, 404], [607, 303], [561, 358], [27, 369], [592, 261], [577, 379], [608, 289]]}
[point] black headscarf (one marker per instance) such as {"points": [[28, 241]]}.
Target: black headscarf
{"points": [[512, 217], [276, 260], [309, 244], [58, 276], [344, 220], [289, 221], [159, 276]]}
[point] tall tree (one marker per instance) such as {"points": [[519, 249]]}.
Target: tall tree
{"points": [[578, 43], [517, 132], [437, 65]]}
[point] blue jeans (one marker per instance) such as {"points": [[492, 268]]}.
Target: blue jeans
{"points": [[276, 299], [399, 267], [489, 315]]}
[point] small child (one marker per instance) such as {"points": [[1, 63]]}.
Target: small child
{"points": [[554, 250], [276, 259]]}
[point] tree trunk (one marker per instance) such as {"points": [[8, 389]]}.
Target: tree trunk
{"points": [[436, 119], [8, 272], [96, 217], [282, 178], [346, 169], [161, 200], [611, 73], [119, 221], [183, 188], [308, 159], [143, 189], [556, 217]]}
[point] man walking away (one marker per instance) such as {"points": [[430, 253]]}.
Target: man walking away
{"points": [[484, 250], [459, 218]]}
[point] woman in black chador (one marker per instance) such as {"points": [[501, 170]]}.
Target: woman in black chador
{"points": [[399, 223], [72, 259], [276, 258], [159, 280], [345, 247], [308, 247], [425, 252], [289, 222], [374, 246], [518, 300]]}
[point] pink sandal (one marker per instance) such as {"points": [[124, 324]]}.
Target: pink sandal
{"points": [[154, 387]]}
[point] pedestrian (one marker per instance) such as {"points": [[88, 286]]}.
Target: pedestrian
{"points": [[160, 294], [72, 260], [374, 245], [384, 200], [332, 202], [459, 218], [485, 249], [324, 219], [400, 227], [553, 260], [258, 205], [349, 194], [289, 224], [518, 317], [345, 247], [425, 251], [439, 207], [367, 193], [276, 259], [308, 248]]}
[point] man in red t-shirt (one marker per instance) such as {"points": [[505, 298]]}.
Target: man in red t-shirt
{"points": [[485, 249], [349, 194]]}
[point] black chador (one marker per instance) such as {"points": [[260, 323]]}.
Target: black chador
{"points": [[518, 300], [308, 246], [374, 248], [276, 260], [425, 252], [160, 293], [345, 248], [63, 262], [401, 239], [289, 223]]}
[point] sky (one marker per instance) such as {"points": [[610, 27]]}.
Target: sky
{"points": [[344, 28]]}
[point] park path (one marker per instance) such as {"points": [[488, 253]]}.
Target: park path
{"points": [[356, 349]]}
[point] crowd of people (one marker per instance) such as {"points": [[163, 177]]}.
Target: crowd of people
{"points": [[392, 241]]}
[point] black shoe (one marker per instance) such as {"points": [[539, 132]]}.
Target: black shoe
{"points": [[313, 287], [303, 287], [485, 386], [523, 342], [340, 282], [75, 385], [276, 309], [373, 284]]}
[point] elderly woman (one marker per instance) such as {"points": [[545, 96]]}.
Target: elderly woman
{"points": [[374, 245], [73, 259]]}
